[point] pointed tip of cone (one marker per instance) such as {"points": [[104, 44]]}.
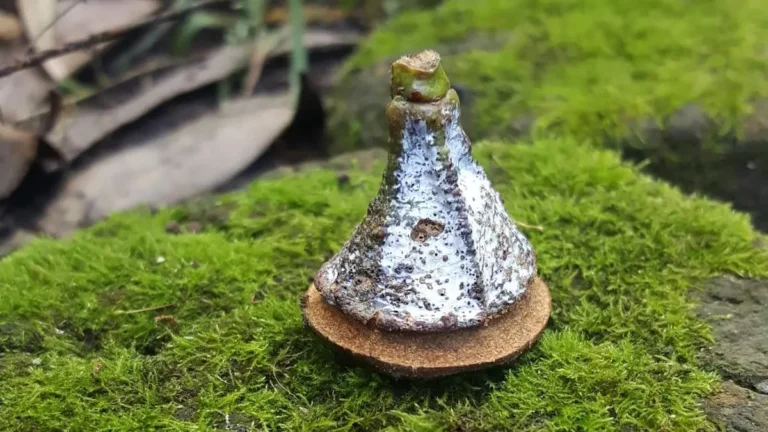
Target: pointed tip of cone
{"points": [[425, 62], [419, 77]]}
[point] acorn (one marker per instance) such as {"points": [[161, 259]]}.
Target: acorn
{"points": [[436, 279]]}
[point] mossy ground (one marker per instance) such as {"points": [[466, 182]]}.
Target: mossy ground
{"points": [[127, 327]]}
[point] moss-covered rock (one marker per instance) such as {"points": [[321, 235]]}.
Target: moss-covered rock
{"points": [[127, 326], [682, 84], [588, 68]]}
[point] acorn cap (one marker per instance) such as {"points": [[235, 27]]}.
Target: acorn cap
{"points": [[431, 355]]}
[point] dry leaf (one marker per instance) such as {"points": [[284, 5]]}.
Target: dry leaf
{"points": [[23, 93], [37, 15], [10, 29], [312, 14], [52, 24], [82, 126], [191, 159], [17, 151]]}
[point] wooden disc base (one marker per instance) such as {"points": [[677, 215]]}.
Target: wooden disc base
{"points": [[431, 355]]}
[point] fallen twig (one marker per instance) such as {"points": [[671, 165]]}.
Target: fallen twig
{"points": [[146, 309], [99, 38], [533, 227], [167, 319]]}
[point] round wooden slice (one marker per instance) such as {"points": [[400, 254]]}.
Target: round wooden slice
{"points": [[430, 355]]}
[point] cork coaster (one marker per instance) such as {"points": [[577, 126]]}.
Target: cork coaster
{"points": [[430, 355]]}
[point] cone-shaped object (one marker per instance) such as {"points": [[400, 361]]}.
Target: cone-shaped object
{"points": [[436, 253], [436, 250]]}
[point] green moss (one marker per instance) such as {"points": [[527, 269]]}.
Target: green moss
{"points": [[88, 342], [588, 68]]}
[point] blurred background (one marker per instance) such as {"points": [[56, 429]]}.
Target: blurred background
{"points": [[106, 105]]}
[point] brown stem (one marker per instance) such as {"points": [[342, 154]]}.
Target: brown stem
{"points": [[99, 38]]}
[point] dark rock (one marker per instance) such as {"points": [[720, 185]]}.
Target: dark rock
{"points": [[756, 124], [172, 227], [343, 179], [17, 151], [735, 408], [194, 227], [688, 125], [737, 310]]}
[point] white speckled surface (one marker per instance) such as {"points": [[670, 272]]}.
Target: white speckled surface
{"points": [[438, 272], [477, 265], [504, 255]]}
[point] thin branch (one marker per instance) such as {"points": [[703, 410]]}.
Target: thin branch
{"points": [[107, 36]]}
